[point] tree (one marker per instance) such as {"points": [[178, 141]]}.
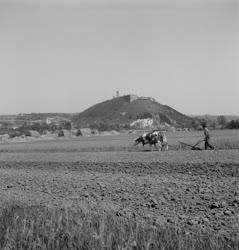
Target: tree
{"points": [[233, 124], [222, 121], [61, 133], [213, 124], [195, 124], [68, 126], [6, 125]]}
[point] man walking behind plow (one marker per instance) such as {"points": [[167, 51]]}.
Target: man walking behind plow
{"points": [[207, 137]]}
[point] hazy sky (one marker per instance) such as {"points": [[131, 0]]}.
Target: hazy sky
{"points": [[66, 55]]}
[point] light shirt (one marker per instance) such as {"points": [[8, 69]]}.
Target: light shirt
{"points": [[206, 133]]}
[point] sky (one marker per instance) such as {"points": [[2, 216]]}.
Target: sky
{"points": [[67, 55]]}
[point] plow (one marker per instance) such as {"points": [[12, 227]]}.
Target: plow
{"points": [[192, 147]]}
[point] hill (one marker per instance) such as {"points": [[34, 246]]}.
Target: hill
{"points": [[124, 110]]}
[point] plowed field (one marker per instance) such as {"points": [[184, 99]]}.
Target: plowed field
{"points": [[190, 189]]}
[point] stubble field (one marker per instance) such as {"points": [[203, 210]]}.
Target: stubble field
{"points": [[103, 193]]}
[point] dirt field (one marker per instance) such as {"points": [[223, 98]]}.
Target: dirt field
{"points": [[187, 189]]}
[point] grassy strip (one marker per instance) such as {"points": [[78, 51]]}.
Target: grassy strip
{"points": [[114, 146], [226, 144], [217, 143], [47, 228]]}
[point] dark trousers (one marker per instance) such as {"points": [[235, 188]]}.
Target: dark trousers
{"points": [[208, 145]]}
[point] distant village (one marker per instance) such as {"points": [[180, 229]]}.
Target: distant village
{"points": [[25, 126]]}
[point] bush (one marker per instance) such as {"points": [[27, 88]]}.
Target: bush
{"points": [[105, 126], [14, 133], [78, 133], [61, 133], [144, 116]]}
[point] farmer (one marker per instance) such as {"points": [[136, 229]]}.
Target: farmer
{"points": [[206, 137]]}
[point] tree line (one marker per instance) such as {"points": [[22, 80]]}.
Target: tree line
{"points": [[40, 127], [220, 122]]}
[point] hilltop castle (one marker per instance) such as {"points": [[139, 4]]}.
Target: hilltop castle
{"points": [[130, 98]]}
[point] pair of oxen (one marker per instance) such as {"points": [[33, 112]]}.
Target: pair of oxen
{"points": [[155, 138]]}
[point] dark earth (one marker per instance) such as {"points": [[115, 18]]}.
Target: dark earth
{"points": [[190, 191]]}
